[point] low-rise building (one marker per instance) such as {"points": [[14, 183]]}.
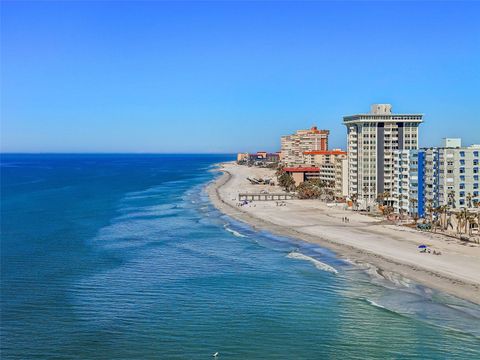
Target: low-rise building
{"points": [[260, 158], [301, 174]]}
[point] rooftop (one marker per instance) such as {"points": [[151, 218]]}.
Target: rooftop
{"points": [[383, 112]]}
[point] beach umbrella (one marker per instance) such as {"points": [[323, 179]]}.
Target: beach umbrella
{"points": [[422, 246]]}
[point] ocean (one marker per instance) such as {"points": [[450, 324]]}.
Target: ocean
{"points": [[123, 257]]}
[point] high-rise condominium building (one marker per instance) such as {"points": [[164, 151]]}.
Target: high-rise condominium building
{"points": [[409, 184], [371, 140], [293, 146], [435, 177]]}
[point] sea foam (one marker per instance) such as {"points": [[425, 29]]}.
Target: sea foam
{"points": [[318, 264], [235, 233]]}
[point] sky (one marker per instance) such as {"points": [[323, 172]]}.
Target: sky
{"points": [[224, 77]]}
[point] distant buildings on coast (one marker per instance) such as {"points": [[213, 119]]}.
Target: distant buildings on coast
{"points": [[383, 164]]}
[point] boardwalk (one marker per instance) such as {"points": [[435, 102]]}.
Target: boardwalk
{"points": [[265, 197]]}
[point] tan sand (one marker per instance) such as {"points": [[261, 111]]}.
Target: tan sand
{"points": [[364, 239]]}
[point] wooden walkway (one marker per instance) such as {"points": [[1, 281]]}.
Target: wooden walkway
{"points": [[265, 197]]}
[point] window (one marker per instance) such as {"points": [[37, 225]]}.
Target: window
{"points": [[475, 186], [462, 170], [475, 162], [462, 162], [462, 153], [462, 177], [475, 170], [475, 193], [475, 153], [475, 177], [462, 202], [462, 186], [462, 194]]}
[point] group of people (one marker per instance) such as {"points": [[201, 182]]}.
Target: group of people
{"points": [[280, 203], [345, 219], [244, 203], [428, 251]]}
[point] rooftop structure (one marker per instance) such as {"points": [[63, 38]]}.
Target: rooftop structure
{"points": [[451, 142]]}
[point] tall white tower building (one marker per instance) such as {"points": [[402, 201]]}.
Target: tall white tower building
{"points": [[371, 140]]}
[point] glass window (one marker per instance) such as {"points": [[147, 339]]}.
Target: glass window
{"points": [[462, 153], [462, 202], [462, 162], [462, 170], [475, 153], [462, 193], [462, 186]]}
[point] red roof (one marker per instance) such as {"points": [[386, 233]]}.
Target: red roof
{"points": [[301, 169], [326, 152]]}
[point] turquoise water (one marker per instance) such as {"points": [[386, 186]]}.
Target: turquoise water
{"points": [[122, 256]]}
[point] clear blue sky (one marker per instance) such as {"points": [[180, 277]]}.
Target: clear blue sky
{"points": [[226, 76]]}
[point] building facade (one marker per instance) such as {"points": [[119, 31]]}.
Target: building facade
{"points": [[315, 158], [371, 141], [437, 177], [293, 146], [455, 176], [260, 158], [341, 177], [409, 182]]}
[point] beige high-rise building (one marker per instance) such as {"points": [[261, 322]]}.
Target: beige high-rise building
{"points": [[371, 141], [294, 146]]}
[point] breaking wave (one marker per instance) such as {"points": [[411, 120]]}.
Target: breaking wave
{"points": [[235, 233], [318, 264]]}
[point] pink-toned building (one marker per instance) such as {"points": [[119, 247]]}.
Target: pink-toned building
{"points": [[316, 158], [293, 146]]}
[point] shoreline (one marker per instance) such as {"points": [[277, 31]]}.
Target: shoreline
{"points": [[453, 285]]}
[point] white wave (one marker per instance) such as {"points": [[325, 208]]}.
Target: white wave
{"points": [[318, 264], [235, 233], [371, 302]]}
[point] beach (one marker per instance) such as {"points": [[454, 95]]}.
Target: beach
{"points": [[363, 240]]}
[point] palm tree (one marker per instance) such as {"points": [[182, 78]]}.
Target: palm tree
{"points": [[430, 209], [469, 200], [469, 219], [459, 216], [451, 199], [354, 199], [286, 181], [444, 213], [413, 205]]}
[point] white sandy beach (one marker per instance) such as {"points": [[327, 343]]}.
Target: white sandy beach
{"points": [[363, 239]]}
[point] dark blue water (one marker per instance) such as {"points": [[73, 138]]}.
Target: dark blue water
{"points": [[123, 257]]}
